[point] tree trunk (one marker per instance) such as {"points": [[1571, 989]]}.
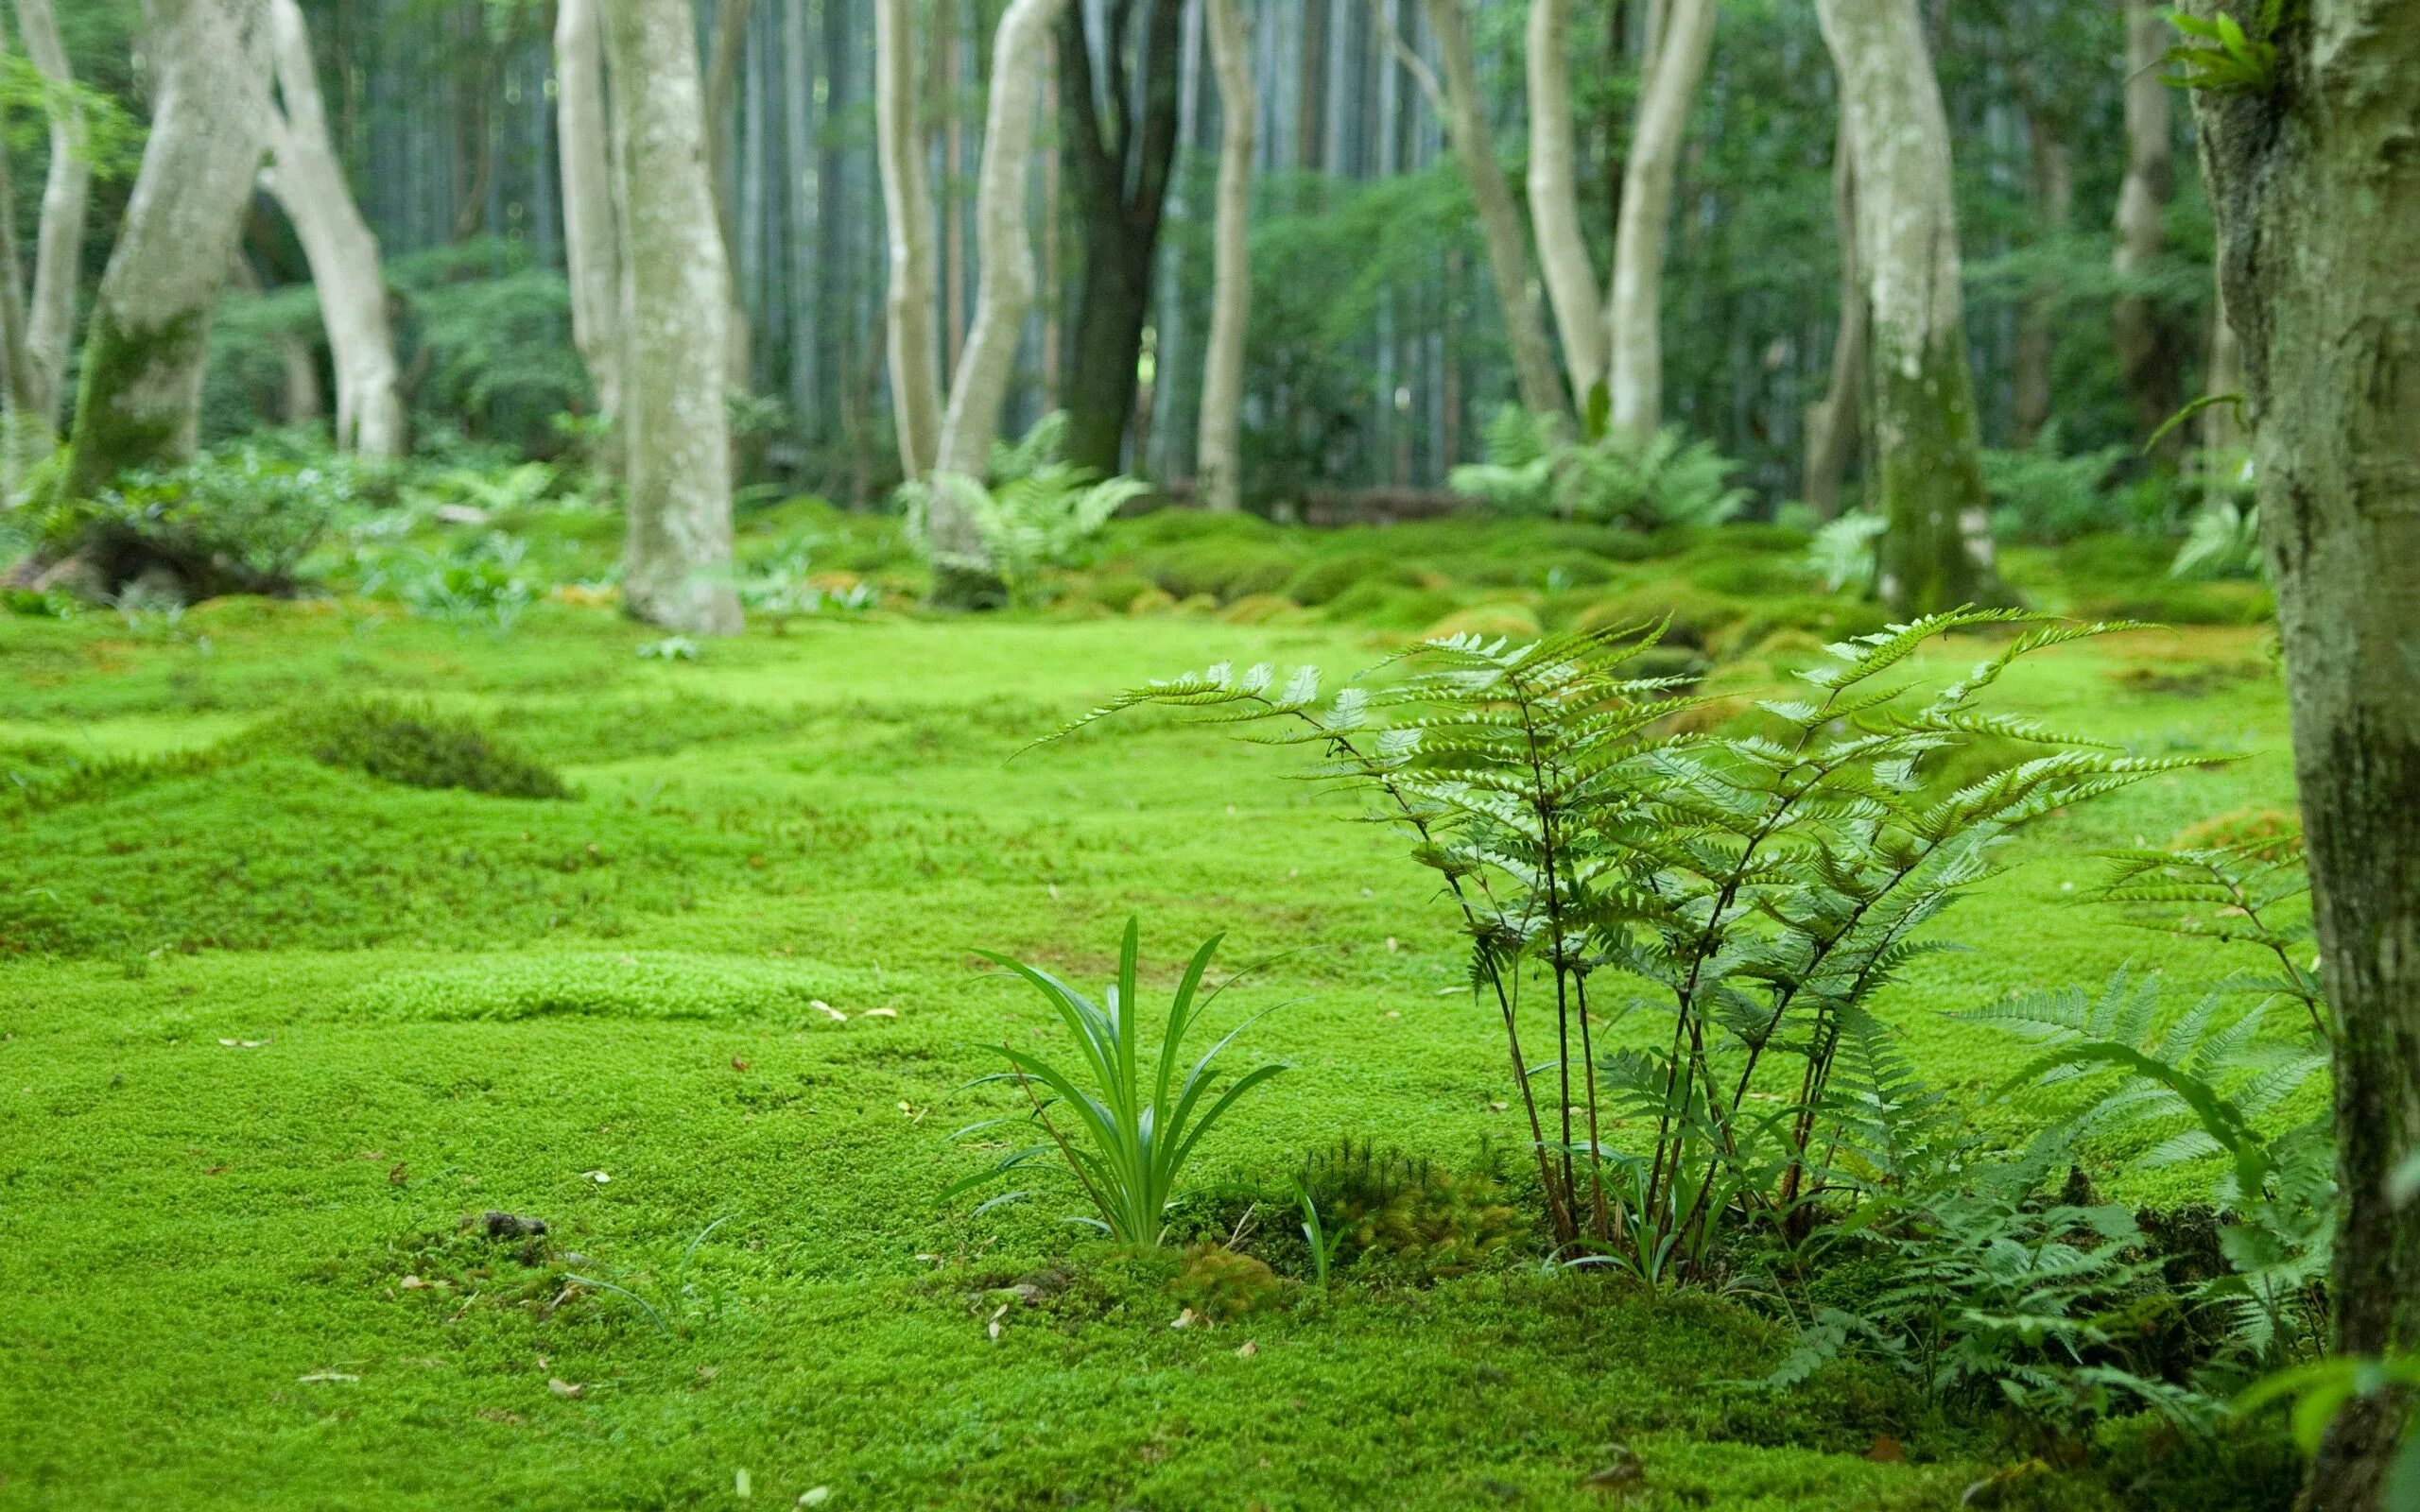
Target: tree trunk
{"points": [[1499, 218], [59, 243], [1004, 288], [2315, 189], [140, 399], [2148, 350], [722, 80], [2053, 202], [1218, 446], [676, 295], [2222, 423], [1633, 308], [592, 252], [1119, 169], [1928, 480], [907, 214], [1833, 422], [1554, 203], [306, 180]]}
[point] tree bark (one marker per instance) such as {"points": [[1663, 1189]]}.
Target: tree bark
{"points": [[592, 252], [2314, 188], [1119, 169], [723, 80], [307, 181], [1833, 422], [59, 241], [1218, 446], [676, 295], [2150, 353], [908, 215], [1499, 219], [1928, 483], [1554, 203], [2222, 423], [1634, 307], [140, 399], [2053, 202]]}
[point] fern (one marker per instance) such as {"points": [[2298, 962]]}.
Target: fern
{"points": [[1753, 891], [2250, 894], [1536, 466], [1040, 520]]}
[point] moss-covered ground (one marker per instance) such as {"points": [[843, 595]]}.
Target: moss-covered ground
{"points": [[270, 1029]]}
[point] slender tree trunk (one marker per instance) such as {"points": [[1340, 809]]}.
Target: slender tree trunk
{"points": [[1554, 203], [20, 381], [1459, 103], [2148, 350], [592, 253], [1633, 308], [306, 180], [1833, 422], [1120, 168], [59, 242], [676, 295], [2054, 202], [907, 214], [2222, 423], [2315, 190], [1218, 446], [140, 399], [729, 47], [1937, 551]]}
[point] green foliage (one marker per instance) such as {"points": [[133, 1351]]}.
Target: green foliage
{"points": [[418, 746], [1131, 1127], [1218, 1285], [1757, 890], [1046, 517], [1402, 1216], [2316, 1393], [2219, 57], [2222, 540], [495, 333], [236, 519], [480, 581], [1534, 466], [2041, 494], [1843, 551], [2251, 891]]}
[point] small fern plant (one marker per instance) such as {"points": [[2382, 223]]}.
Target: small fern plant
{"points": [[1040, 520], [1749, 893], [2252, 893], [1536, 466]]}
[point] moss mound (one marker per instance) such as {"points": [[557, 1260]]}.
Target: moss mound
{"points": [[417, 746]]}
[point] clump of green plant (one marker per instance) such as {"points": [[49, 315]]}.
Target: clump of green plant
{"points": [[1217, 1284], [2040, 493], [1536, 467], [1404, 1215], [1124, 1121], [2222, 540], [2250, 893], [239, 519], [1036, 514], [418, 746], [1842, 552], [482, 581], [1752, 891]]}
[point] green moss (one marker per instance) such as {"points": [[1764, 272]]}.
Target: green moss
{"points": [[113, 435], [418, 746]]}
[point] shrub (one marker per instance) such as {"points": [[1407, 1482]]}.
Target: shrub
{"points": [[1126, 1129], [2038, 495], [418, 746], [239, 518]]}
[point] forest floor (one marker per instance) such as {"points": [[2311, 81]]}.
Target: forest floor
{"points": [[271, 1030]]}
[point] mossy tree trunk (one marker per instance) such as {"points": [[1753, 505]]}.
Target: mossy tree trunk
{"points": [[1928, 480], [676, 296], [1218, 444], [2315, 185], [2150, 341], [58, 239], [140, 399], [592, 253]]}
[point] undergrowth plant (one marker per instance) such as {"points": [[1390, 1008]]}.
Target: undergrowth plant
{"points": [[1752, 891], [1124, 1120], [1535, 466]]}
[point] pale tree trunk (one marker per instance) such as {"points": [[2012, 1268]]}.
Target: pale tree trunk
{"points": [[1554, 203], [2222, 423], [1464, 113], [907, 216], [2149, 352], [2054, 192], [59, 242], [2315, 190], [140, 398], [303, 175], [1633, 306], [676, 295], [722, 75], [592, 253], [1928, 478], [1833, 421], [20, 385], [1219, 445]]}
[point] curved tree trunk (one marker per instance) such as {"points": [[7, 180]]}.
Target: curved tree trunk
{"points": [[2149, 352], [1499, 218], [2315, 189], [1218, 446], [907, 214], [59, 243], [1928, 480], [306, 180], [1554, 203], [1634, 323], [591, 255], [140, 398], [1833, 421], [676, 295], [2054, 193]]}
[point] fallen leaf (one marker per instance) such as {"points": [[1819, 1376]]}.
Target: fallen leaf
{"points": [[318, 1376], [215, 1170], [738, 1064], [497, 1415], [569, 1389], [1624, 1475], [1887, 1450], [837, 1015], [741, 1487], [1185, 1319], [413, 1283], [880, 1013], [397, 1175], [1247, 1349], [1394, 944], [814, 1496], [598, 1176], [1498, 1107]]}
